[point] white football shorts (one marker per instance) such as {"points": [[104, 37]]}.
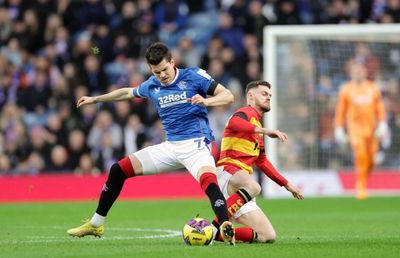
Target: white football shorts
{"points": [[168, 156], [223, 180]]}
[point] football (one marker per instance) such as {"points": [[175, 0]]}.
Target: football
{"points": [[197, 231]]}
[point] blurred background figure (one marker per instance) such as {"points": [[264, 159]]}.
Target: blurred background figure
{"points": [[361, 111], [86, 166]]}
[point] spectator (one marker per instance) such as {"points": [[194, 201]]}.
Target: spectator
{"points": [[134, 135], [87, 166], [36, 97], [287, 12], [56, 130], [189, 53], [39, 143], [231, 36], [105, 139], [170, 17], [90, 14], [59, 161], [393, 10], [5, 25], [255, 20], [5, 164], [93, 75], [76, 147]]}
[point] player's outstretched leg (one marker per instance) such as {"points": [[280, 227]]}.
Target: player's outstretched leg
{"points": [[209, 184], [119, 172]]}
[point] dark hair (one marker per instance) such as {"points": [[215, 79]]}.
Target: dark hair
{"points": [[255, 84], [156, 52]]}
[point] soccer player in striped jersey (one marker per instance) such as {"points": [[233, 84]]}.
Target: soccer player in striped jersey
{"points": [[242, 146], [180, 96]]}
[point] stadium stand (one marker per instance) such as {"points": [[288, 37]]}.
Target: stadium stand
{"points": [[49, 58]]}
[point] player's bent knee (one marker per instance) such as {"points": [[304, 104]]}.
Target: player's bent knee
{"points": [[253, 188], [243, 181], [266, 237], [256, 188]]}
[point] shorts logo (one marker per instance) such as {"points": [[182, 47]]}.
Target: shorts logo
{"points": [[235, 207], [172, 100]]}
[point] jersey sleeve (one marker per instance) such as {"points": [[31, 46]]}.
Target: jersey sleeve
{"points": [[269, 170], [341, 107], [142, 91], [207, 84], [381, 113], [239, 122]]}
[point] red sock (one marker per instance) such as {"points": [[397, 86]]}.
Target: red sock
{"points": [[126, 166], [206, 179], [235, 201], [245, 235]]}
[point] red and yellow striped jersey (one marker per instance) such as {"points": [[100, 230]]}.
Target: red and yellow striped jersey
{"points": [[240, 148]]}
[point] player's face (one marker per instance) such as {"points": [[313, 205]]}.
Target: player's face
{"points": [[164, 71], [262, 98], [358, 72]]}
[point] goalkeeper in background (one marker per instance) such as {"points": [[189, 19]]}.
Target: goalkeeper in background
{"points": [[242, 146], [360, 119]]}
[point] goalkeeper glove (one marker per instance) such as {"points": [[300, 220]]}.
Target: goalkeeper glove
{"points": [[340, 136], [381, 130]]}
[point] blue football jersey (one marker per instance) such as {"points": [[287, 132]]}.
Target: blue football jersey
{"points": [[181, 119]]}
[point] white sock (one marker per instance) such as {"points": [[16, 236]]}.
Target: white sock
{"points": [[97, 220]]}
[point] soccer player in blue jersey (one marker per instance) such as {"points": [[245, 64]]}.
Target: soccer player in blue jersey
{"points": [[180, 96]]}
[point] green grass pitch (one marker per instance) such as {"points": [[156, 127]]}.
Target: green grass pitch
{"points": [[326, 227]]}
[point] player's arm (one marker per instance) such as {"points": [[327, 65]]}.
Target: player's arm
{"points": [[382, 128], [340, 116], [115, 95], [239, 122], [272, 133], [341, 108], [270, 171], [220, 96]]}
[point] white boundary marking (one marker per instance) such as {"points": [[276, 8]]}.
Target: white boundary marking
{"points": [[160, 233]]}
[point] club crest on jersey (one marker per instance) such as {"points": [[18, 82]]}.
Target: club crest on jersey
{"points": [[157, 90], [182, 85]]}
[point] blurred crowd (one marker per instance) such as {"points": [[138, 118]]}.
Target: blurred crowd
{"points": [[54, 52]]}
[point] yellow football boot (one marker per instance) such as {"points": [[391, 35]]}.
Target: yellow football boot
{"points": [[86, 229]]}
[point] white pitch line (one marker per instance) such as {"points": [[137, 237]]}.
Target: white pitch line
{"points": [[59, 239]]}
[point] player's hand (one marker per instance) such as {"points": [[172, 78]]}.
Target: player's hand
{"points": [[340, 136], [382, 130], [198, 99], [85, 100], [272, 133], [295, 191]]}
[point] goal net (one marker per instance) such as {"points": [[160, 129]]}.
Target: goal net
{"points": [[306, 66]]}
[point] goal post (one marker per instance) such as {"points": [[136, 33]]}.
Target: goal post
{"points": [[306, 66]]}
